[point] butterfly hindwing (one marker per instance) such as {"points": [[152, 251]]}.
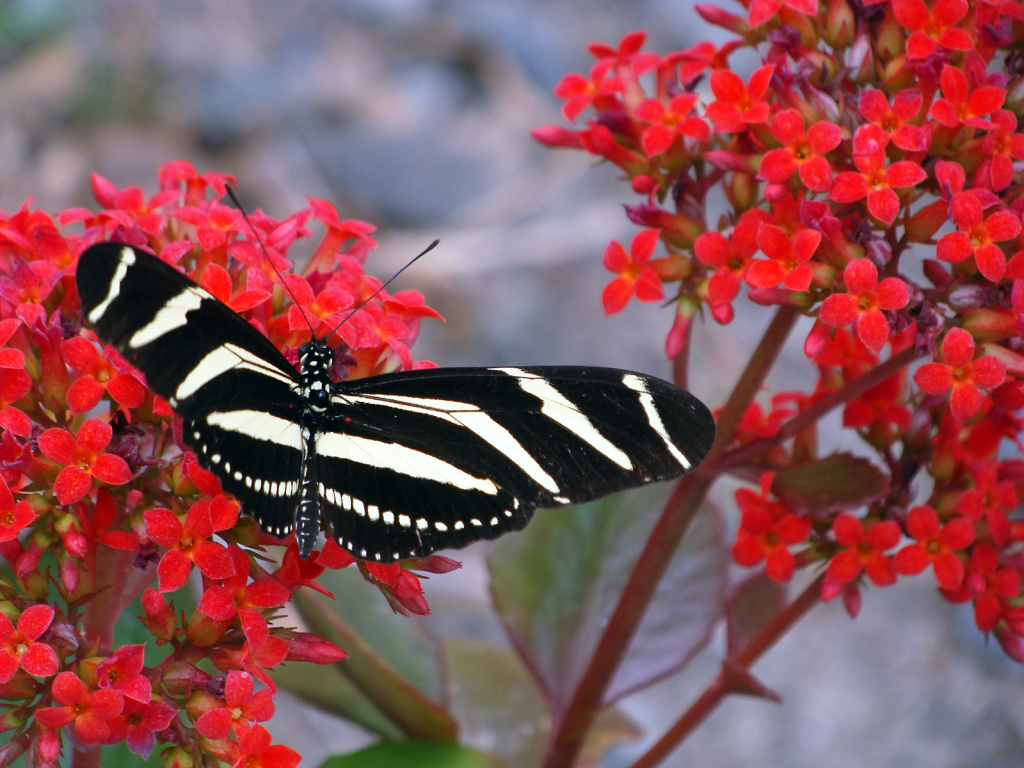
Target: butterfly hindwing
{"points": [[435, 458]]}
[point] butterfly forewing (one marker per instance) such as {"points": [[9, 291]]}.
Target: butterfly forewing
{"points": [[175, 332], [399, 465]]}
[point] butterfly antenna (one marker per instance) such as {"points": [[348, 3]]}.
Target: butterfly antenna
{"points": [[256, 234], [373, 295]]}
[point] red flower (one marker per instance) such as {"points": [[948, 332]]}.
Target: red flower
{"points": [[990, 499], [763, 10], [123, 672], [15, 383], [88, 710], [936, 545], [933, 28], [253, 660], [581, 92], [29, 287], [864, 302], [961, 373], [1001, 146], [137, 723], [97, 375], [635, 274], [255, 751], [18, 646], [738, 104], [188, 543], [666, 124], [787, 259], [988, 584], [235, 597], [802, 150], [730, 257], [978, 236], [13, 517], [863, 550], [880, 411], [892, 121], [103, 514], [242, 707], [876, 182], [83, 459], [767, 530], [960, 105]]}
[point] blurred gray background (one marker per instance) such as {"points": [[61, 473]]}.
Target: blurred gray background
{"points": [[414, 115]]}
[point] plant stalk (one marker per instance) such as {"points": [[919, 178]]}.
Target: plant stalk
{"points": [[573, 725], [721, 686]]}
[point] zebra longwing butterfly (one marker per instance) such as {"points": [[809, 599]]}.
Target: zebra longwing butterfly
{"points": [[397, 465]]}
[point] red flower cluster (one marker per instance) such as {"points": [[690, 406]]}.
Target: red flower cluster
{"points": [[878, 142], [94, 479]]}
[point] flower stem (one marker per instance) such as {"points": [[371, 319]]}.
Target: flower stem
{"points": [[662, 543], [723, 684], [87, 758], [805, 418]]}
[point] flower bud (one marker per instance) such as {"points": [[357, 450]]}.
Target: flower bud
{"points": [[677, 229], [991, 324], [1013, 362], [898, 75], [1015, 97], [70, 575], [160, 619], [712, 14], [862, 60], [555, 136], [305, 646], [12, 718], [69, 527], [181, 678], [179, 757], [890, 40], [840, 24], [926, 222], [741, 189]]}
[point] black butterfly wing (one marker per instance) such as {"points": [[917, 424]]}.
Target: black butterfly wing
{"points": [[416, 461], [227, 381]]}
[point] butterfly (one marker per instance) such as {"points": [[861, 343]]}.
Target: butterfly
{"points": [[397, 465]]}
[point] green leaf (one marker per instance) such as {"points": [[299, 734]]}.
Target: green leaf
{"points": [[501, 710], [119, 756], [751, 606], [496, 702], [331, 690], [557, 583], [392, 668], [839, 481], [414, 754]]}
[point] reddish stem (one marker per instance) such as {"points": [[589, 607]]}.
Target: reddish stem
{"points": [[661, 546], [87, 758], [118, 583], [805, 418], [727, 680]]}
